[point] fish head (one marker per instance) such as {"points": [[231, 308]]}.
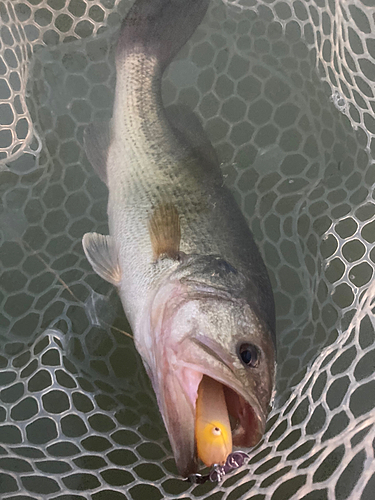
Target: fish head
{"points": [[196, 330]]}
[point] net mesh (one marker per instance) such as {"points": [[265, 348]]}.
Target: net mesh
{"points": [[285, 92]]}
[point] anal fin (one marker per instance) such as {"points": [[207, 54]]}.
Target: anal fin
{"points": [[165, 231], [101, 252]]}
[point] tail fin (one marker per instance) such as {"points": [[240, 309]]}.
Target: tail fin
{"points": [[160, 28]]}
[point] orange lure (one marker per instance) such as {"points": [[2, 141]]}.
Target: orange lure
{"points": [[213, 434]]}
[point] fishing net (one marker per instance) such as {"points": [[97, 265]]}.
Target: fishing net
{"points": [[285, 91]]}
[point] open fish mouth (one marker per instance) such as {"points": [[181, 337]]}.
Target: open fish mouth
{"points": [[206, 412], [226, 418], [223, 419], [247, 418], [224, 415]]}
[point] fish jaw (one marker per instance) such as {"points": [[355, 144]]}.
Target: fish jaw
{"points": [[177, 355]]}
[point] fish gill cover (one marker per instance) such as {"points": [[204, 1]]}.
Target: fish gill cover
{"points": [[285, 93]]}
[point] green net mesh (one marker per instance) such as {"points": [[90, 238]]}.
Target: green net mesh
{"points": [[285, 91]]}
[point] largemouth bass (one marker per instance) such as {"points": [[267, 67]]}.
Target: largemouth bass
{"points": [[192, 282]]}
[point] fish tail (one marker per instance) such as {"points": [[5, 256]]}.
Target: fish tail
{"points": [[159, 28]]}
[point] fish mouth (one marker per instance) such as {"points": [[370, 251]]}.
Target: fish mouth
{"points": [[246, 416]]}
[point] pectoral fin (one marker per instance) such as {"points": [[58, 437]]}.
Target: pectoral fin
{"points": [[165, 231], [101, 252]]}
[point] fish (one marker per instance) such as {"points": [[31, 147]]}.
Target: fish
{"points": [[192, 282]]}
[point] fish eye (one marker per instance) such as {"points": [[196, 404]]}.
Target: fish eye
{"points": [[248, 354]]}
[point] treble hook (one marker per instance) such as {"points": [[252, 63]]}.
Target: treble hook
{"points": [[233, 461]]}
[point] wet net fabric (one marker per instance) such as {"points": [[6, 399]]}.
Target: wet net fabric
{"points": [[285, 91]]}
